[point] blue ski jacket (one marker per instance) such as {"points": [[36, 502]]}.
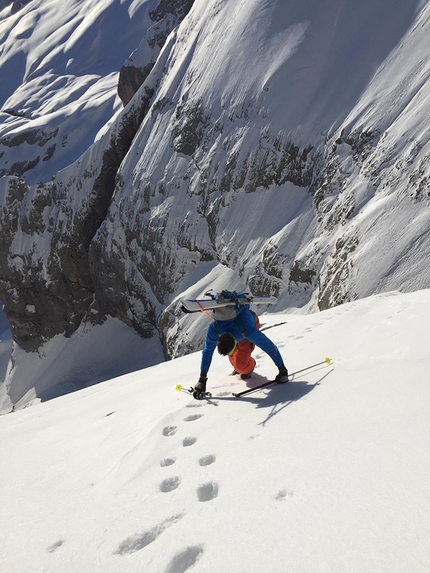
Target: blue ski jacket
{"points": [[241, 327]]}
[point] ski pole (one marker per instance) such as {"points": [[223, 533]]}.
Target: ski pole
{"points": [[327, 361]]}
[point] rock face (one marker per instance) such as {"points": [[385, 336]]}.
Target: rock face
{"points": [[18, 4], [62, 77], [164, 18], [58, 221], [226, 174]]}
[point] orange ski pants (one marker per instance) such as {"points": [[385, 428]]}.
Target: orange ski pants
{"points": [[241, 359]]}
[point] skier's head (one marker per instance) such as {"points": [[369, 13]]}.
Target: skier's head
{"points": [[226, 344]]}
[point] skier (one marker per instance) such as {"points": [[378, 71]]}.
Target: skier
{"points": [[237, 338]]}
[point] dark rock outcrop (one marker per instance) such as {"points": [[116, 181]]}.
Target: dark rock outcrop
{"points": [[18, 5], [47, 283], [166, 17]]}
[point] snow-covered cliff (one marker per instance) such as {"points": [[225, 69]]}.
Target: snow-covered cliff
{"points": [[274, 145]]}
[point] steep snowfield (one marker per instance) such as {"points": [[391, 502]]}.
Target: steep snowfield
{"points": [[92, 354], [328, 473], [59, 72]]}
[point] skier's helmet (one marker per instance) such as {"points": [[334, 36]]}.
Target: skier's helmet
{"points": [[226, 344]]}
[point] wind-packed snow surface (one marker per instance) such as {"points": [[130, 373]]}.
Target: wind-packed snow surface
{"points": [[59, 67], [326, 474]]}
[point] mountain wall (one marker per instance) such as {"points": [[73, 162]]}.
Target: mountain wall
{"points": [[63, 69], [272, 145]]}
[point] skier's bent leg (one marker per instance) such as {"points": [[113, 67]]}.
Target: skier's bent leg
{"points": [[241, 359]]}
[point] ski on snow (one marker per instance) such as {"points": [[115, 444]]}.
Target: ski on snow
{"points": [[190, 390]]}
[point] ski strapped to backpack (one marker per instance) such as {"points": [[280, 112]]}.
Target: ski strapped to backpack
{"points": [[225, 299]]}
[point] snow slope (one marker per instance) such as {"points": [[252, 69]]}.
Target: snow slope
{"points": [[91, 355], [59, 71], [326, 474]]}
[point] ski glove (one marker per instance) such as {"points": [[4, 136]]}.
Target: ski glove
{"points": [[200, 387]]}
